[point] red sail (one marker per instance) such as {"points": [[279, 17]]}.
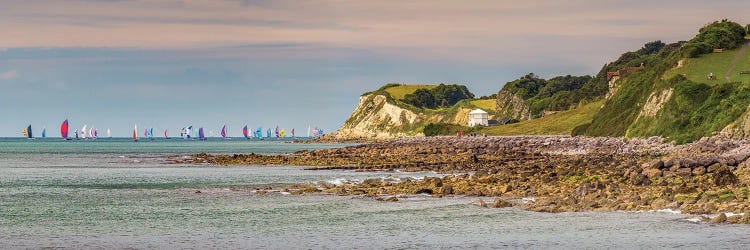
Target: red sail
{"points": [[64, 129]]}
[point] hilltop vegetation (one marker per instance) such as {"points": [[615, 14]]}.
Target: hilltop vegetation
{"points": [[689, 109]]}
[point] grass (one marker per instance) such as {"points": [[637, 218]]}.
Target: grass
{"points": [[561, 123], [398, 92], [696, 69], [486, 104]]}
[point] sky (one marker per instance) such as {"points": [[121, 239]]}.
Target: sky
{"points": [[171, 63]]}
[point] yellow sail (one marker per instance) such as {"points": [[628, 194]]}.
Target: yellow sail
{"points": [[25, 133], [281, 133]]}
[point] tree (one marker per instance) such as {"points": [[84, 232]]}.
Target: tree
{"points": [[422, 98], [651, 47]]}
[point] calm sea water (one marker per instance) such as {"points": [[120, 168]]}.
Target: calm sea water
{"points": [[114, 193]]}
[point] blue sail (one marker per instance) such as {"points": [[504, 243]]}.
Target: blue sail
{"points": [[268, 133], [259, 132], [44, 132]]}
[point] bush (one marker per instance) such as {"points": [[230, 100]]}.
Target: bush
{"points": [[435, 129], [441, 96]]}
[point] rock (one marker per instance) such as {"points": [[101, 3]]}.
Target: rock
{"points": [[721, 218], [684, 172], [652, 172], [446, 190], [699, 171], [197, 191], [723, 176], [734, 219], [391, 199], [745, 218], [713, 167], [500, 203], [480, 203], [506, 188]]}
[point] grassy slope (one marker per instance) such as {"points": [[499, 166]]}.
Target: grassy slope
{"points": [[696, 69], [561, 123], [486, 104], [398, 92]]}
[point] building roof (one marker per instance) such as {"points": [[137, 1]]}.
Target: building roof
{"points": [[477, 111]]}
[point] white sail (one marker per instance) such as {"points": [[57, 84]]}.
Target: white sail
{"points": [[83, 132], [109, 133], [308, 131]]}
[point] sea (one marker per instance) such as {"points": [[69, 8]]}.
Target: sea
{"points": [[120, 194]]}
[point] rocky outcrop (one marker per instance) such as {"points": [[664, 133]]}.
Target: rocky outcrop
{"points": [[655, 102], [739, 129], [511, 106], [375, 117]]}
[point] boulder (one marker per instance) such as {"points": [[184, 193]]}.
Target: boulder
{"points": [[479, 202], [499, 203], [652, 172], [684, 172], [699, 171], [721, 218], [713, 167]]}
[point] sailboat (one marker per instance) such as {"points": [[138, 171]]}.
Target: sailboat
{"points": [[268, 133], [109, 133], [245, 132], [151, 134], [92, 133], [259, 133], [281, 133], [135, 133], [224, 134], [187, 131], [276, 132], [83, 132], [64, 130], [77, 134], [201, 135], [44, 132], [293, 133], [308, 130], [27, 132], [165, 134]]}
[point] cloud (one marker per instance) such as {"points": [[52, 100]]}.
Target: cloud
{"points": [[9, 75]]}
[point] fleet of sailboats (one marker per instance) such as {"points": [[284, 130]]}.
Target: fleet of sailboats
{"points": [[91, 133]]}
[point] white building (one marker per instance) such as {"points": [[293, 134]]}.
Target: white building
{"points": [[478, 117]]}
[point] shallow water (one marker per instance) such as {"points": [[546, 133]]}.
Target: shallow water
{"points": [[119, 194]]}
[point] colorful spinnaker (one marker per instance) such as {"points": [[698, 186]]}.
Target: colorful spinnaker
{"points": [[276, 132], [259, 133], [27, 132], [201, 135], [64, 129], [44, 132], [268, 133], [166, 135], [223, 132], [245, 132]]}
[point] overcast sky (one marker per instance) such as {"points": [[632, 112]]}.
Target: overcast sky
{"points": [[170, 63]]}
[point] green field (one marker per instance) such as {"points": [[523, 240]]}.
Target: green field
{"points": [[486, 104], [696, 69], [398, 92], [561, 123]]}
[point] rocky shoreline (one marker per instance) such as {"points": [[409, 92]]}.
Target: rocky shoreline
{"points": [[562, 174]]}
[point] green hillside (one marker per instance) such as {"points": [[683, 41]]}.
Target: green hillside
{"points": [[561, 123], [697, 69], [697, 107]]}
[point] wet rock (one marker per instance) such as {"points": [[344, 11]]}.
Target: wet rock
{"points": [[500, 203], [391, 199], [480, 203], [734, 219], [721, 218]]}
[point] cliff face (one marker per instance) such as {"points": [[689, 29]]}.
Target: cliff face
{"points": [[511, 106], [375, 117], [379, 116]]}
